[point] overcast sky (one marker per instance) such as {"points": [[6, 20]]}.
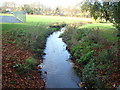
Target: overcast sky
{"points": [[51, 3]]}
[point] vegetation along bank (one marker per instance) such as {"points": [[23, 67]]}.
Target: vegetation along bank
{"points": [[95, 52]]}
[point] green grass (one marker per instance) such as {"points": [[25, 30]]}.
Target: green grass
{"points": [[52, 19], [107, 30], [105, 26], [36, 20], [1, 14]]}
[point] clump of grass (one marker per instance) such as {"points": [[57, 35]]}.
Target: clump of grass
{"points": [[29, 65], [31, 61]]}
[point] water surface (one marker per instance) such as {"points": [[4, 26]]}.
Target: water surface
{"points": [[60, 72]]}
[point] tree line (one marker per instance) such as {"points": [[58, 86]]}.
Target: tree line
{"points": [[39, 9]]}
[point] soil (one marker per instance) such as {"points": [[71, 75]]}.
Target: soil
{"points": [[13, 54]]}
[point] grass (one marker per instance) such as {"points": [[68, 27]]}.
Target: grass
{"points": [[29, 65], [105, 26], [36, 20], [107, 30], [1, 14], [53, 19]]}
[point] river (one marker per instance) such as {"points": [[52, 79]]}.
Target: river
{"points": [[60, 72]]}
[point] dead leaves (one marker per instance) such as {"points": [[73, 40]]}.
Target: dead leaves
{"points": [[13, 58]]}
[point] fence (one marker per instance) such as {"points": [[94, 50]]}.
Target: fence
{"points": [[21, 15]]}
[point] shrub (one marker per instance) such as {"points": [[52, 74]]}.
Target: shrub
{"points": [[98, 69], [84, 59], [89, 75]]}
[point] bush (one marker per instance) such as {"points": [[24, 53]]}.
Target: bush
{"points": [[3, 11], [84, 59], [89, 75], [99, 68], [83, 52]]}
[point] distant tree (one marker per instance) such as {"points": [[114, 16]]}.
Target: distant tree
{"points": [[57, 11], [95, 10], [3, 11], [85, 8], [106, 10], [75, 11], [21, 8], [28, 9], [110, 11], [9, 5], [116, 15]]}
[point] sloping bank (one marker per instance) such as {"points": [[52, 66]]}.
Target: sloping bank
{"points": [[23, 48], [95, 53]]}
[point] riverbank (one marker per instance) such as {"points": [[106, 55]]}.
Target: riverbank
{"points": [[95, 52], [22, 53], [19, 62], [14, 58], [23, 47]]}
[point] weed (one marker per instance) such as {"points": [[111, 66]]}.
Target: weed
{"points": [[28, 66], [84, 59]]}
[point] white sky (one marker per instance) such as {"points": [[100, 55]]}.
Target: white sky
{"points": [[51, 3]]}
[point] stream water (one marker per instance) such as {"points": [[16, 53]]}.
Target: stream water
{"points": [[60, 72]]}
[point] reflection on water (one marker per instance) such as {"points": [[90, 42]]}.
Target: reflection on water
{"points": [[60, 72]]}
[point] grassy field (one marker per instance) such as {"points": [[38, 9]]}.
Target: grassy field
{"points": [[36, 20], [53, 19], [107, 30]]}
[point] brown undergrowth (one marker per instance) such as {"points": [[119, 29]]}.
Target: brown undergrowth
{"points": [[13, 57]]}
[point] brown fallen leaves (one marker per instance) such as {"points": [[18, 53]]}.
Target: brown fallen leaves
{"points": [[113, 79], [11, 55]]}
